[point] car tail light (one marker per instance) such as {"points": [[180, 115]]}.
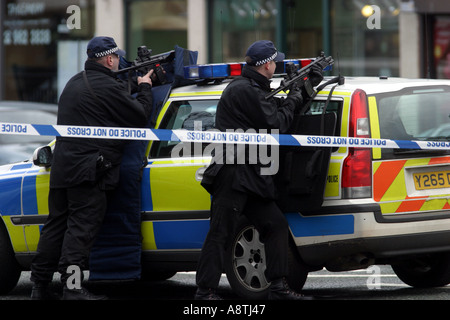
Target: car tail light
{"points": [[357, 167]]}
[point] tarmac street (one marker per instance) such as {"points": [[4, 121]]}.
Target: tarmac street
{"points": [[374, 283]]}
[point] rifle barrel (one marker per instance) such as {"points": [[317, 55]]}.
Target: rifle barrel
{"points": [[299, 74], [159, 58]]}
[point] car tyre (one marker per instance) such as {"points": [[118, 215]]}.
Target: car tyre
{"points": [[425, 272], [9, 267], [245, 264], [298, 272]]}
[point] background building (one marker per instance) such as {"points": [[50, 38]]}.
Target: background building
{"points": [[43, 42]]}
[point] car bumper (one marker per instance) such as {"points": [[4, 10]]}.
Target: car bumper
{"points": [[351, 237]]}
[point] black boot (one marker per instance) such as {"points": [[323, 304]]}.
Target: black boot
{"points": [[279, 290], [81, 294], [40, 291], [206, 294]]}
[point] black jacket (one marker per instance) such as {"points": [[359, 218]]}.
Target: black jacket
{"points": [[78, 160], [243, 106]]}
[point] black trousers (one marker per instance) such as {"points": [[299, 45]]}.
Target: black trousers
{"points": [[227, 205], [75, 217]]}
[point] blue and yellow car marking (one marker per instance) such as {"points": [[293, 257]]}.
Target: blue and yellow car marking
{"points": [[32, 200], [11, 204], [313, 226], [166, 190]]}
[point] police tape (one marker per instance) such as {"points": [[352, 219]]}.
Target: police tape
{"points": [[213, 136]]}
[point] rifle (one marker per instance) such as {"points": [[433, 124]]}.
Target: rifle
{"points": [[300, 78], [146, 62]]}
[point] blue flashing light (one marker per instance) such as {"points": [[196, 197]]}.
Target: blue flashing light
{"points": [[191, 72], [294, 61], [212, 71]]}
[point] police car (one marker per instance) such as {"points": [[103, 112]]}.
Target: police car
{"points": [[377, 205]]}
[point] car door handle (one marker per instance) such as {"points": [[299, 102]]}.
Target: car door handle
{"points": [[199, 173]]}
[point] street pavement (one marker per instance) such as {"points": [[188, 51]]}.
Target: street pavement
{"points": [[375, 283]]}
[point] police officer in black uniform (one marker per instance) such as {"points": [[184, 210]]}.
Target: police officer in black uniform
{"points": [[241, 188], [84, 169]]}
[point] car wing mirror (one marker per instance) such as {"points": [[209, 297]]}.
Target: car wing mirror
{"points": [[42, 156]]}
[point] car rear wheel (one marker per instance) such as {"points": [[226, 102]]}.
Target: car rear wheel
{"points": [[425, 272], [9, 268], [245, 264]]}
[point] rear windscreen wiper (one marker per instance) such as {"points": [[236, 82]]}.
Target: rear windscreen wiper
{"points": [[411, 151], [438, 138], [417, 150]]}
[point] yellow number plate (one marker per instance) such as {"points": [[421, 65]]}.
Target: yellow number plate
{"points": [[432, 180]]}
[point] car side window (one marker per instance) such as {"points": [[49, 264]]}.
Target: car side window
{"points": [[335, 106], [196, 115]]}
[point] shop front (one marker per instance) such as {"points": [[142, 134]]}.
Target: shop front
{"points": [[41, 39]]}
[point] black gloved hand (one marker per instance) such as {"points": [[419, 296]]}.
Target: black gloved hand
{"points": [[295, 97], [316, 75]]}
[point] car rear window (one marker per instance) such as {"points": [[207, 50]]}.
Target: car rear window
{"points": [[414, 114]]}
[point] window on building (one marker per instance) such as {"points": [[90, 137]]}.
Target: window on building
{"points": [[441, 48], [365, 38], [236, 24], [302, 28], [294, 26], [34, 34], [157, 24]]}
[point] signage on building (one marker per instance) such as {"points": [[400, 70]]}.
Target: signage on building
{"points": [[25, 24]]}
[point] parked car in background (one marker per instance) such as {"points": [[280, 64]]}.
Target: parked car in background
{"points": [[15, 148]]}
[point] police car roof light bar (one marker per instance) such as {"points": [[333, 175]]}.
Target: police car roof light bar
{"points": [[221, 71]]}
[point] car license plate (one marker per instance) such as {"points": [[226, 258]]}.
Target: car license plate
{"points": [[432, 180]]}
